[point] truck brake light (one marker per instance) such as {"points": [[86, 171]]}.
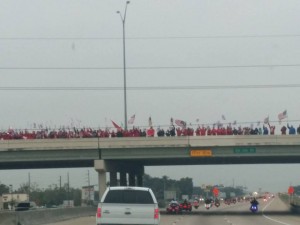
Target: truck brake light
{"points": [[156, 213], [99, 213]]}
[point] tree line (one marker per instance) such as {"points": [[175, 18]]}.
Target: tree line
{"points": [[54, 195]]}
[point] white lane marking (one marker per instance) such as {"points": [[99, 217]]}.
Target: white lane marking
{"points": [[269, 218]]}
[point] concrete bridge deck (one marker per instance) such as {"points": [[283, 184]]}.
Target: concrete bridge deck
{"points": [[48, 153]]}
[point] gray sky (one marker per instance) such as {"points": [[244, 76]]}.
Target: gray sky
{"points": [[53, 43]]}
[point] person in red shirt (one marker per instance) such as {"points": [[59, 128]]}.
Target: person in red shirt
{"points": [[214, 131], [208, 131], [184, 132], [203, 131], [229, 130], [150, 132], [178, 131], [197, 131], [272, 129], [219, 131], [190, 132]]}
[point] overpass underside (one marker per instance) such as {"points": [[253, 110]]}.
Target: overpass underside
{"points": [[74, 158]]}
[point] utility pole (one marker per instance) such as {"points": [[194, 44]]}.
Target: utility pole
{"points": [[59, 182], [29, 184], [11, 196], [89, 187], [68, 191]]}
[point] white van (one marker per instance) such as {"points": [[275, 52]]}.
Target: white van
{"points": [[128, 205]]}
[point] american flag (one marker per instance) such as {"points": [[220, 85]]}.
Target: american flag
{"points": [[131, 120], [180, 123], [282, 115]]}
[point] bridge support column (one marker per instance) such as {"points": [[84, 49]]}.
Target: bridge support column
{"points": [[132, 179], [139, 175], [135, 174], [140, 180], [123, 179], [113, 179], [100, 167]]}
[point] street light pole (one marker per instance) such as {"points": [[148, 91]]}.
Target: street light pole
{"points": [[123, 19]]}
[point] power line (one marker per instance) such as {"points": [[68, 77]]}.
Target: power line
{"points": [[154, 67], [150, 38], [149, 88]]}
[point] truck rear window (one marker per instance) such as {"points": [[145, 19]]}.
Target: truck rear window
{"points": [[128, 196]]}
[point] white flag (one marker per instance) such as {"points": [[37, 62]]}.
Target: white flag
{"points": [[131, 120]]}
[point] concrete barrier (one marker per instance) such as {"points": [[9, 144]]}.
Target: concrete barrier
{"points": [[295, 208], [44, 216], [8, 218]]}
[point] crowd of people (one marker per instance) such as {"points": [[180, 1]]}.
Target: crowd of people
{"points": [[150, 132]]}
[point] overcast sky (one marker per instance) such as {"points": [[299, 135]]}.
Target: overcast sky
{"points": [[199, 46]]}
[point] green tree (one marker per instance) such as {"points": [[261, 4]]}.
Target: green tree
{"points": [[186, 186], [4, 189], [158, 185]]}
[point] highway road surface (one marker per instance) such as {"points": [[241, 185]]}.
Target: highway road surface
{"points": [[271, 212]]}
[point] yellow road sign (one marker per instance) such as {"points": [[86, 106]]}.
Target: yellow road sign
{"points": [[201, 153]]}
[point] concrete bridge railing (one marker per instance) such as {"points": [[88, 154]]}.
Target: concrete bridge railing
{"points": [[149, 142]]}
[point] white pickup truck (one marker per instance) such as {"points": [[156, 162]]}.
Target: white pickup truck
{"points": [[128, 205]]}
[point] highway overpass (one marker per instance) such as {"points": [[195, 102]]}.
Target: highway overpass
{"points": [[130, 155]]}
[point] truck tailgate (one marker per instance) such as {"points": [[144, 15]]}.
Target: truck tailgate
{"points": [[123, 214]]}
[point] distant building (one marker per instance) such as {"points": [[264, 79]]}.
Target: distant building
{"points": [[88, 195], [8, 201], [68, 203]]}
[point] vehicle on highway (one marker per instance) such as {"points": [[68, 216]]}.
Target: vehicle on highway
{"points": [[253, 208], [254, 205], [227, 201], [185, 206], [208, 203], [173, 208], [24, 206], [128, 205], [217, 203], [196, 203]]}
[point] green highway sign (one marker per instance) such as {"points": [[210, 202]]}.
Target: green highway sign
{"points": [[244, 150]]}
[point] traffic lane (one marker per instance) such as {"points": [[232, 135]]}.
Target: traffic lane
{"points": [[212, 216], [91, 220], [275, 210], [238, 214], [181, 219]]}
